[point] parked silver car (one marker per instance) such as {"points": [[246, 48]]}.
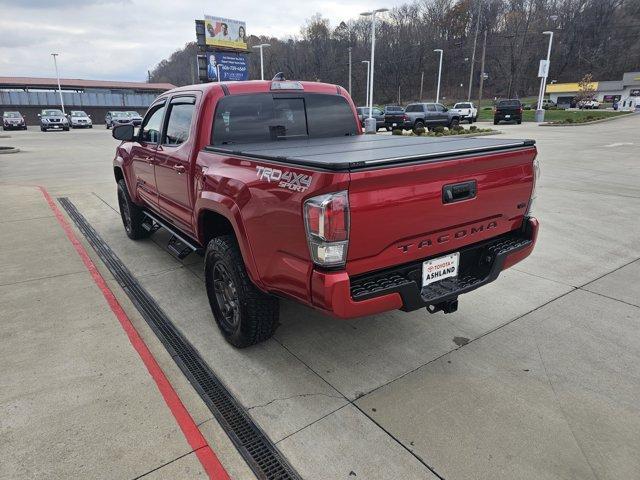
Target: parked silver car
{"points": [[79, 119]]}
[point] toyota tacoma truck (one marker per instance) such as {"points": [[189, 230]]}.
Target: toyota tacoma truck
{"points": [[275, 185]]}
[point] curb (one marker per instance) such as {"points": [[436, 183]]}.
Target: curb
{"points": [[602, 120], [7, 150]]}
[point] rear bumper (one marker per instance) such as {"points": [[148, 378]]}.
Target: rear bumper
{"points": [[399, 287]]}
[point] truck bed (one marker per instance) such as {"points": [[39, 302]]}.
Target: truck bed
{"points": [[362, 151]]}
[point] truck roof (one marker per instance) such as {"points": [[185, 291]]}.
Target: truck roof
{"points": [[362, 151], [258, 86]]}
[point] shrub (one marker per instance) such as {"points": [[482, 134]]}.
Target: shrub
{"points": [[396, 131], [457, 128], [568, 120], [473, 128], [419, 131], [438, 129]]}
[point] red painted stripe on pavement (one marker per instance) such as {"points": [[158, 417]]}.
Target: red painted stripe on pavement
{"points": [[210, 462]]}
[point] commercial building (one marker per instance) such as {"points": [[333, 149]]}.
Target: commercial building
{"points": [[605, 91], [96, 97]]}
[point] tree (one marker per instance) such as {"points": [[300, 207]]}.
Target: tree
{"points": [[586, 88]]}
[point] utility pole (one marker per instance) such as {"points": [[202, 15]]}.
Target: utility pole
{"points": [[439, 74], [484, 51], [421, 84], [55, 64], [398, 94], [473, 55], [349, 71]]}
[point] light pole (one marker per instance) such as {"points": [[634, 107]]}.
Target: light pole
{"points": [[55, 64], [543, 73], [370, 123], [366, 101], [439, 74], [261, 46], [349, 71]]}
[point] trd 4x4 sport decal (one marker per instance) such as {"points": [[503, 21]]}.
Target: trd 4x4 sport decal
{"points": [[298, 182]]}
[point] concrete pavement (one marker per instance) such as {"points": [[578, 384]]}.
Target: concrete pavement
{"points": [[546, 385]]}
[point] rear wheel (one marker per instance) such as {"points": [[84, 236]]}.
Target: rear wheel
{"points": [[244, 314], [495, 122], [131, 214], [454, 122], [418, 124]]}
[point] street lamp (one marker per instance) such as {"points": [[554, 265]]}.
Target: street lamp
{"points": [[439, 74], [55, 64], [261, 46], [370, 123], [543, 73], [366, 102]]}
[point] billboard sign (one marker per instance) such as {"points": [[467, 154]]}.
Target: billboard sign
{"points": [[229, 65], [225, 33]]}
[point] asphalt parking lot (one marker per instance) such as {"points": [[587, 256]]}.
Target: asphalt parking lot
{"points": [[536, 376]]}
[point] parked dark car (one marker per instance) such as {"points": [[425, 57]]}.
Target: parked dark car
{"points": [[363, 113], [13, 121], [509, 110], [394, 116], [135, 117], [113, 118], [51, 119], [429, 115], [79, 119]]}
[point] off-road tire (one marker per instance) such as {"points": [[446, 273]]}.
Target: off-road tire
{"points": [[453, 123], [495, 122], [131, 214], [257, 312], [519, 122]]}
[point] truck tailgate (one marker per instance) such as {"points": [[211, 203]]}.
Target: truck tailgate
{"points": [[405, 213]]}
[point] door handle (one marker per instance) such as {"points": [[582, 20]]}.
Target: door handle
{"points": [[179, 169], [459, 191]]}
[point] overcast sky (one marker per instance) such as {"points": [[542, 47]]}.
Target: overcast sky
{"points": [[122, 39]]}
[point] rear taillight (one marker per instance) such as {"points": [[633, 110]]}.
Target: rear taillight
{"points": [[327, 225], [520, 110], [534, 193], [405, 118], [495, 109]]}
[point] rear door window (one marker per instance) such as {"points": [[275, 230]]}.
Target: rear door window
{"points": [[414, 108], [270, 117], [431, 107]]}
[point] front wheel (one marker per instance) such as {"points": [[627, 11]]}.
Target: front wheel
{"points": [[454, 123], [244, 314], [131, 214]]}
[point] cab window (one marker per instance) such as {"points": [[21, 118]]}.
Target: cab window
{"points": [[152, 124], [180, 115]]}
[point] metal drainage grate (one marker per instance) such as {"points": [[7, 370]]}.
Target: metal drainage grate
{"points": [[255, 447]]}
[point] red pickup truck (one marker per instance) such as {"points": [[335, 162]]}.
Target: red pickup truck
{"points": [[275, 184]]}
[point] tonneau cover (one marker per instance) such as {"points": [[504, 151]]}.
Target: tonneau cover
{"points": [[362, 151]]}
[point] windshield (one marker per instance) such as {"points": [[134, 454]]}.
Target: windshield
{"points": [[51, 113], [133, 114], [462, 105], [119, 114], [393, 108], [11, 115], [78, 114]]}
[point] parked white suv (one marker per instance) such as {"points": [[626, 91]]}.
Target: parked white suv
{"points": [[466, 110], [589, 104]]}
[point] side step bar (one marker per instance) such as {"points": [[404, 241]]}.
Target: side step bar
{"points": [[179, 246]]}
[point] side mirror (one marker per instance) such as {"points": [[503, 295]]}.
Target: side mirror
{"points": [[123, 132]]}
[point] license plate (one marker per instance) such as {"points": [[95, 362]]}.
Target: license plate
{"points": [[437, 269], [395, 124], [56, 126], [507, 116]]}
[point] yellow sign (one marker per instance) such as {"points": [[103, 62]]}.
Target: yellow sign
{"points": [[225, 33]]}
